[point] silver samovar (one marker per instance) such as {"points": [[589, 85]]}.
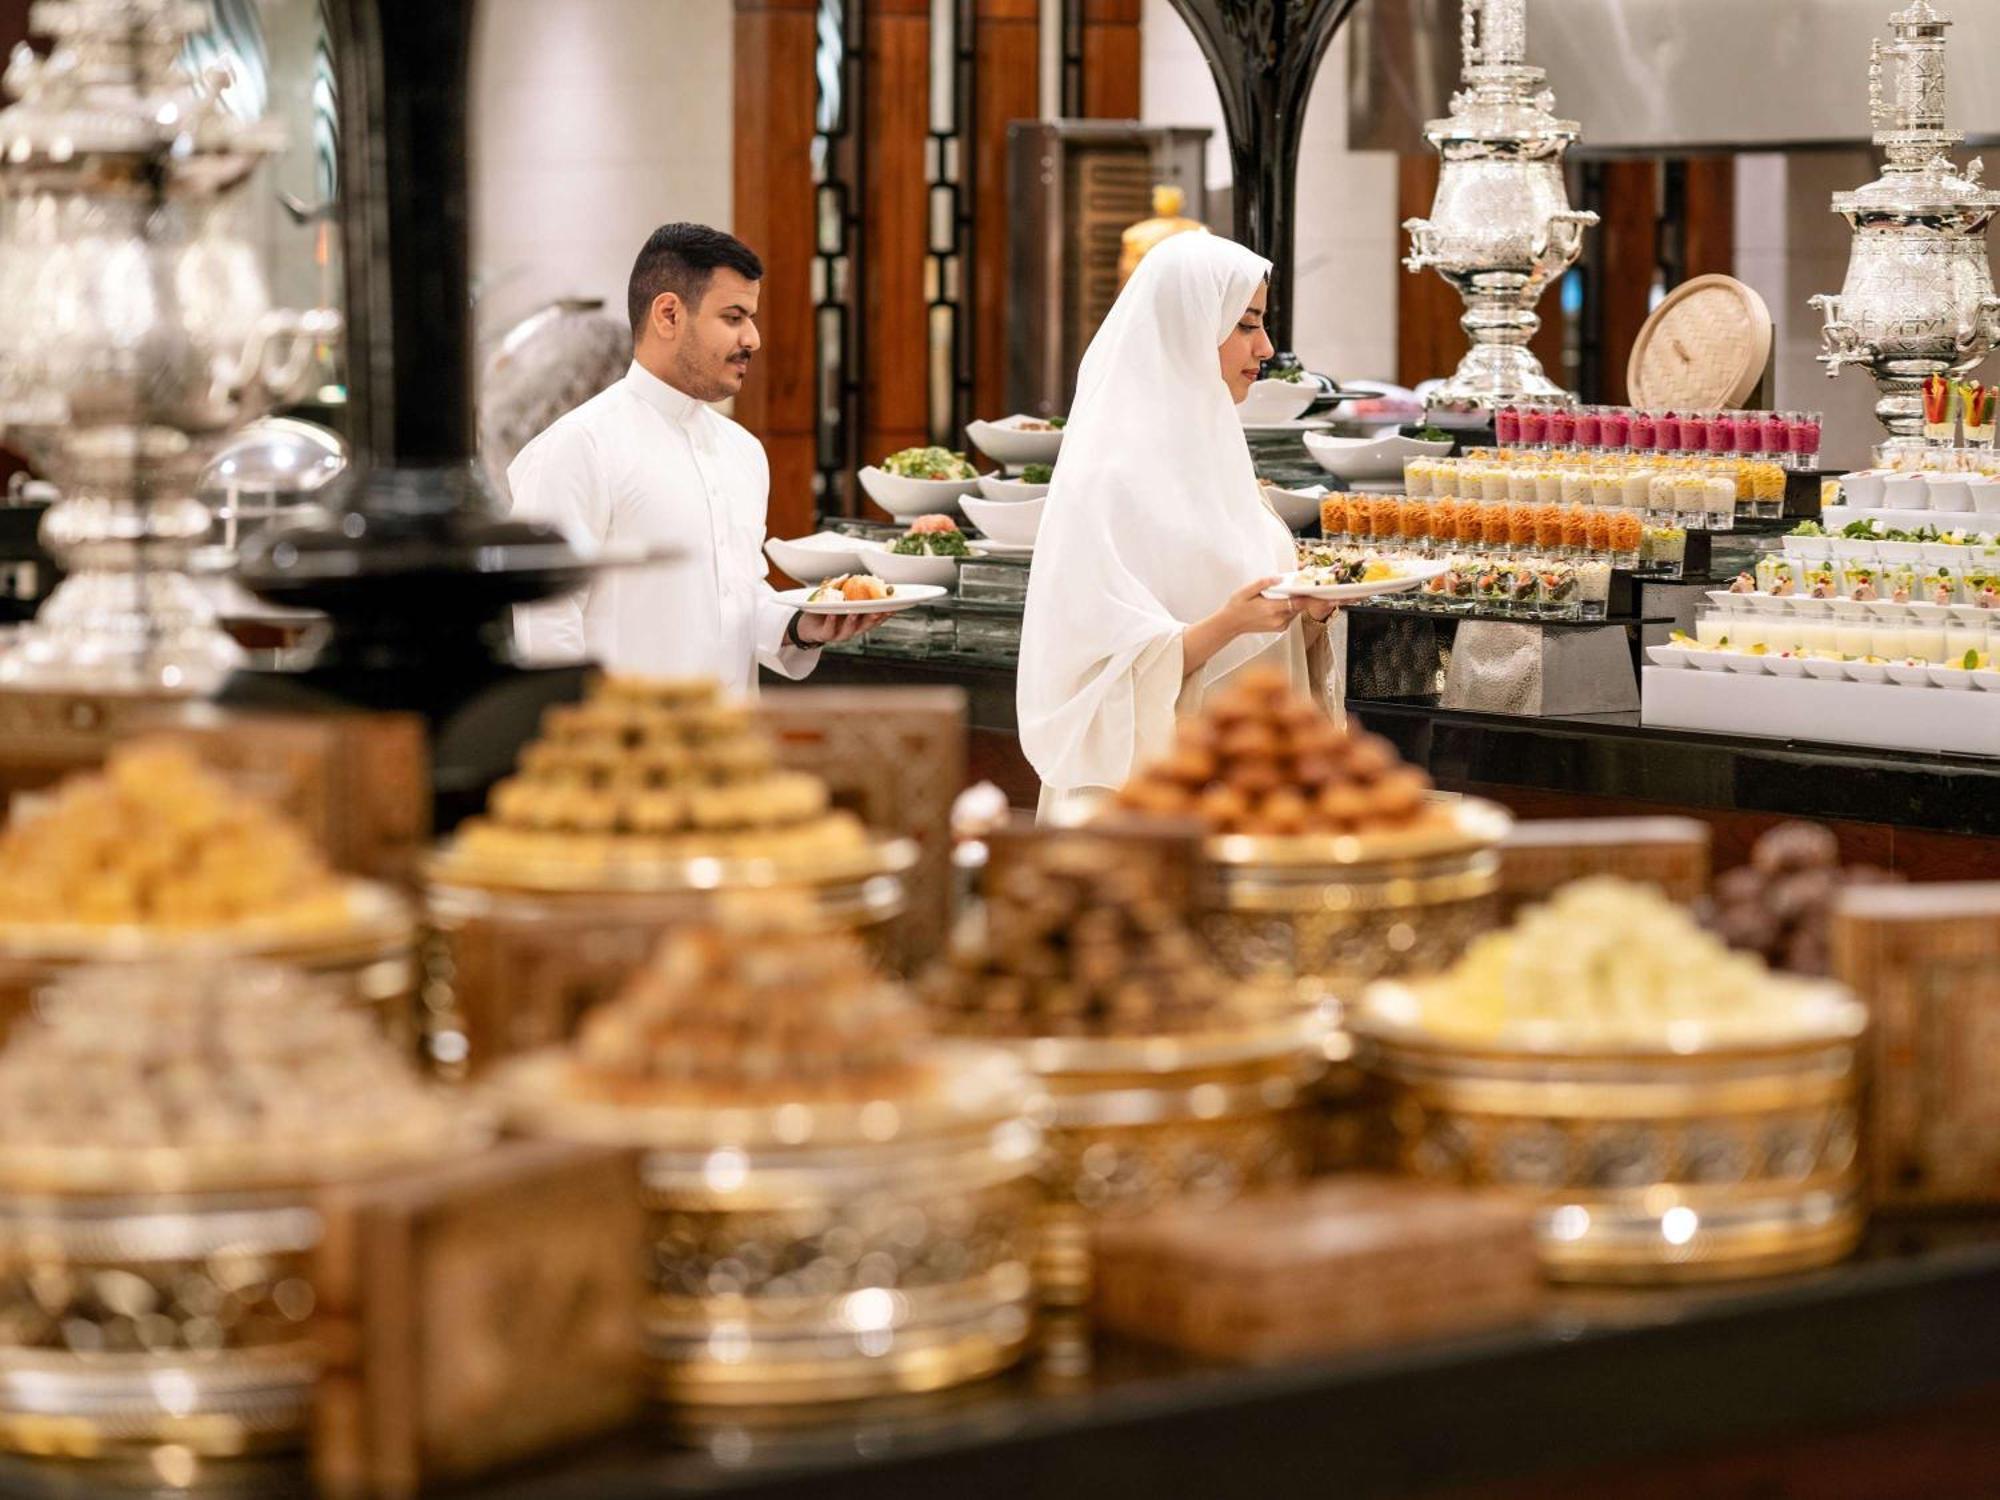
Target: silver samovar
{"points": [[1918, 300], [136, 333], [1501, 227]]}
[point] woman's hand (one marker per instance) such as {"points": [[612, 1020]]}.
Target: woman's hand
{"points": [[1319, 611], [1247, 612]]}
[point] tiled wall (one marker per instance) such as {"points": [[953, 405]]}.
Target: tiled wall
{"points": [[592, 122], [1347, 241]]}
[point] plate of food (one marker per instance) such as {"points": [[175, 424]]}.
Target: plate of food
{"points": [[1018, 440], [920, 481], [1354, 576], [860, 594], [929, 552]]}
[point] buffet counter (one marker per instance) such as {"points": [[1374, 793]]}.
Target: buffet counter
{"points": [[1927, 814], [1714, 1391]]}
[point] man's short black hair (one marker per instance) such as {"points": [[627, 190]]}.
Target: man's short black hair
{"points": [[680, 258]]}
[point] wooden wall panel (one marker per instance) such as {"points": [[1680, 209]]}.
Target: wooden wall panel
{"points": [[773, 212], [895, 217], [1709, 237], [1429, 342], [1007, 49], [1111, 59], [1629, 249]]}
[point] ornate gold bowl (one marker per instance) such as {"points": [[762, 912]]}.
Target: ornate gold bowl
{"points": [[371, 956], [812, 1252], [517, 954], [1130, 1123], [1728, 1158]]}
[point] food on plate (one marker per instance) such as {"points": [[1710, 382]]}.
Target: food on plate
{"points": [[156, 839], [214, 1056], [1262, 759], [1610, 962], [1743, 583], [1080, 939], [1038, 474], [651, 769], [931, 536], [929, 463], [763, 1008], [1040, 424], [852, 588]]}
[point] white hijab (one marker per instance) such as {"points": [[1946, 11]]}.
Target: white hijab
{"points": [[1153, 521]]}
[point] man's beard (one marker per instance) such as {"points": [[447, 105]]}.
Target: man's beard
{"points": [[715, 382]]}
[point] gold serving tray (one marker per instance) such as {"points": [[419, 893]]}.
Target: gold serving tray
{"points": [[451, 865]]}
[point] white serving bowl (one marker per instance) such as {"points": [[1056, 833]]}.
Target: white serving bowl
{"points": [[1950, 677], [1941, 554], [1371, 457], [1005, 443], [1865, 671], [1899, 551], [1906, 492], [1785, 666], [1296, 508], [1863, 488], [1808, 548], [1711, 661], [1853, 549], [1824, 670], [1728, 603], [816, 558], [1006, 491], [906, 499], [1745, 663], [1277, 401], [1987, 679], [1949, 492], [1669, 655], [1985, 493], [898, 567], [1905, 675], [1010, 522]]}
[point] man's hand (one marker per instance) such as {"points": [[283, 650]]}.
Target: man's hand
{"points": [[831, 630]]}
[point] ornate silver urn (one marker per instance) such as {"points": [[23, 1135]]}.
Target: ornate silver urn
{"points": [[136, 333], [1918, 300], [1501, 227]]}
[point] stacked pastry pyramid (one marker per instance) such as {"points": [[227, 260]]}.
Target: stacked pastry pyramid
{"points": [[647, 770], [1262, 760], [752, 1014], [246, 1061], [157, 840], [1080, 942]]}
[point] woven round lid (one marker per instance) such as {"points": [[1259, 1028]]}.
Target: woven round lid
{"points": [[1704, 348]]}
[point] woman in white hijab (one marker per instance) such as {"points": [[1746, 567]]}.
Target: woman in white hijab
{"points": [[1156, 544]]}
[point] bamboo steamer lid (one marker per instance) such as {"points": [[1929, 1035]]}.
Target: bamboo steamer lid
{"points": [[1704, 348]]}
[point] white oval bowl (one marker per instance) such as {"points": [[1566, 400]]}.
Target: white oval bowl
{"points": [[1004, 491], [897, 567], [1010, 522], [812, 560], [1276, 401], [1005, 443], [906, 499], [1369, 458]]}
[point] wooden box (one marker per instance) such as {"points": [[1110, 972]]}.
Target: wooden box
{"points": [[1343, 1263], [476, 1313], [1926, 959], [896, 757], [1541, 855], [358, 783]]}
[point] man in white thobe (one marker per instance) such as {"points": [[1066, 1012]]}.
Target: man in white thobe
{"points": [[649, 464]]}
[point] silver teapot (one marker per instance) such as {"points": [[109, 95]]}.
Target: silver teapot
{"points": [[1501, 228], [136, 333], [1918, 300]]}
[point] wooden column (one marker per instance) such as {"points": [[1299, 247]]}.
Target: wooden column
{"points": [[895, 402], [1429, 342], [1007, 49], [1708, 237], [773, 212], [13, 30], [1111, 59]]}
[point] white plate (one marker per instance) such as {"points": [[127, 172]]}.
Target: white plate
{"points": [[1277, 400], [906, 596], [1414, 575], [1298, 424], [1011, 522], [1295, 508], [815, 558], [906, 499], [912, 567], [1669, 656], [1369, 458], [1005, 443], [1007, 491]]}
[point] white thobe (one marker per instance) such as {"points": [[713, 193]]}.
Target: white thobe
{"points": [[643, 465]]}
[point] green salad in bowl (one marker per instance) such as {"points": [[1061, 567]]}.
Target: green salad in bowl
{"points": [[929, 463], [1038, 474], [931, 536]]}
